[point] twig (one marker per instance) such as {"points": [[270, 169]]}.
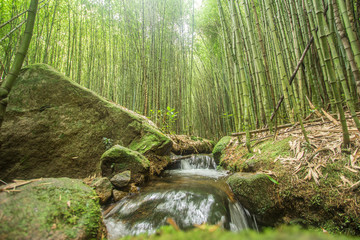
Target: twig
{"points": [[3, 182], [12, 19], [354, 186], [330, 117]]}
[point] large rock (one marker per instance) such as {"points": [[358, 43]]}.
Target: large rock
{"points": [[50, 209], [118, 159], [256, 193], [53, 128]]}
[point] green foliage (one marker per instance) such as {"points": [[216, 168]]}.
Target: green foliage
{"points": [[107, 142], [210, 233], [166, 119], [271, 179]]}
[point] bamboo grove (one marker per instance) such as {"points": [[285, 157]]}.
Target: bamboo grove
{"points": [[263, 59], [206, 71]]}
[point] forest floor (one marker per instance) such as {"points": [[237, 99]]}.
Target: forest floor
{"points": [[317, 184]]}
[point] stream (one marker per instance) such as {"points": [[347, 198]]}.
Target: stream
{"points": [[191, 192]]}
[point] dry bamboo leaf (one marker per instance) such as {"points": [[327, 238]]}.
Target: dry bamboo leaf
{"points": [[213, 228], [346, 181], [172, 222], [300, 155], [355, 153], [308, 176], [351, 170]]}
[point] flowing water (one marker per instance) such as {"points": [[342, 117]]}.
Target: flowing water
{"points": [[191, 192]]}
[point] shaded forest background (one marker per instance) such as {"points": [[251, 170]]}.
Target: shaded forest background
{"points": [[205, 71]]}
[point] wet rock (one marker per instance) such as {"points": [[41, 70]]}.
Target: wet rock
{"points": [[219, 148], [63, 131], [121, 179], [103, 188], [119, 159], [51, 208], [256, 193], [118, 195]]}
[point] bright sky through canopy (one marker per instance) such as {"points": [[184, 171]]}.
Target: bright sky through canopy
{"points": [[197, 3]]}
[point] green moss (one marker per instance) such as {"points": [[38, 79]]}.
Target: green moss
{"points": [[271, 150], [283, 233], [253, 190], [151, 142], [50, 207], [119, 158], [219, 148]]}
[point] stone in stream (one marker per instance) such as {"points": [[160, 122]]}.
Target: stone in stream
{"points": [[103, 188], [255, 192], [121, 179], [118, 195], [54, 127], [51, 208]]}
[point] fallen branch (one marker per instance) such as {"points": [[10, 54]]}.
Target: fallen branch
{"points": [[293, 76], [290, 125], [313, 107], [17, 183], [330, 117]]}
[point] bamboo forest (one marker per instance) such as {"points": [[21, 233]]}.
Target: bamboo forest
{"points": [[179, 119]]}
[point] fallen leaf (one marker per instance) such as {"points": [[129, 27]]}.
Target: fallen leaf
{"points": [[172, 222]]}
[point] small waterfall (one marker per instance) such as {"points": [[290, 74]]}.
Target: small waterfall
{"points": [[198, 162], [193, 193]]}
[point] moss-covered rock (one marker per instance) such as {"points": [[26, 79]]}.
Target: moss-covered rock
{"points": [[219, 148], [54, 128], [118, 159], [50, 209], [184, 144], [255, 192]]}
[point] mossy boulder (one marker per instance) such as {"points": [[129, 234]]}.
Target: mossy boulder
{"points": [[255, 192], [118, 159], [50, 209], [184, 144], [219, 148], [55, 128]]}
